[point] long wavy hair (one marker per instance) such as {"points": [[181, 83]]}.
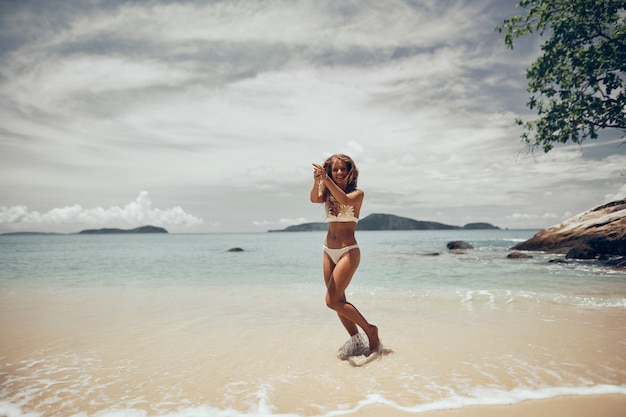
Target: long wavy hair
{"points": [[353, 176]]}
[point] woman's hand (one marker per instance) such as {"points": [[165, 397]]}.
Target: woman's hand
{"points": [[319, 174]]}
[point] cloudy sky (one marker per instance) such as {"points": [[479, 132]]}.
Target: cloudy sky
{"points": [[205, 116]]}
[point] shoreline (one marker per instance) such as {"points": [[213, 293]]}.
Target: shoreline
{"points": [[583, 405], [596, 405]]}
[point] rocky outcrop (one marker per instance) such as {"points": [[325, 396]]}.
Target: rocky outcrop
{"points": [[595, 234]]}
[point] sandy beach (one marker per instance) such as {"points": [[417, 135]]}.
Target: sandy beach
{"points": [[157, 350]]}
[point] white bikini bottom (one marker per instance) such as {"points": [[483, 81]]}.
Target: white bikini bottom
{"points": [[336, 254]]}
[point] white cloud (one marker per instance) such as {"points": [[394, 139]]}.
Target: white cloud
{"points": [[621, 193], [224, 105], [288, 222], [137, 213], [93, 75], [298, 23], [283, 222], [522, 216]]}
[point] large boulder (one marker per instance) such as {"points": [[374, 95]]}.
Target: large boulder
{"points": [[598, 232]]}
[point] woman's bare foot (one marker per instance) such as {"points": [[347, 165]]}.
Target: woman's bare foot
{"points": [[372, 335]]}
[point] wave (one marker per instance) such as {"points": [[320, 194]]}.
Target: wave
{"points": [[491, 397], [496, 299], [479, 397]]}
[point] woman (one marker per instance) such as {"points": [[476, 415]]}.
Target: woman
{"points": [[335, 185]]}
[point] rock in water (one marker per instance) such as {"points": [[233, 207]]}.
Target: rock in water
{"points": [[518, 255], [597, 232], [459, 244]]}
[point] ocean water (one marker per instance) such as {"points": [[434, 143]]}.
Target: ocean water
{"points": [[176, 325]]}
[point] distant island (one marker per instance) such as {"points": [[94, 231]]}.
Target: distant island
{"points": [[378, 221], [106, 231], [28, 234], [142, 229]]}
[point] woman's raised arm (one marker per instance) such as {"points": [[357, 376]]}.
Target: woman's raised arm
{"points": [[316, 189]]}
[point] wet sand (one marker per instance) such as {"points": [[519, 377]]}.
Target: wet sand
{"points": [[566, 406]]}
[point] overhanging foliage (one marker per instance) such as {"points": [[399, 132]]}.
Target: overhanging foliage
{"points": [[577, 84]]}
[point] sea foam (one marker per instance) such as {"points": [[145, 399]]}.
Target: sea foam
{"points": [[478, 397]]}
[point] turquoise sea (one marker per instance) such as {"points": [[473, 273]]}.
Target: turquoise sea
{"points": [[177, 325]]}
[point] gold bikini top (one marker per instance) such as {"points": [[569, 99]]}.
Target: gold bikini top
{"points": [[346, 214]]}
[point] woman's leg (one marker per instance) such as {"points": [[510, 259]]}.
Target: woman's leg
{"points": [[337, 283], [328, 271]]}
